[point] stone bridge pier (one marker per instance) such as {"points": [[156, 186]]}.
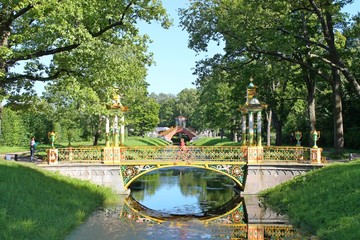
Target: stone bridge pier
{"points": [[263, 176], [104, 175]]}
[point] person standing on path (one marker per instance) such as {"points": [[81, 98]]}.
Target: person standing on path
{"points": [[32, 149]]}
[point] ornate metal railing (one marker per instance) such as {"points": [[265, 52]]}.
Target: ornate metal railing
{"points": [[80, 155], [192, 153], [286, 154]]}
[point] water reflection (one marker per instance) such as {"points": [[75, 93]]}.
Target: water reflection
{"points": [[231, 212], [183, 191], [208, 208]]}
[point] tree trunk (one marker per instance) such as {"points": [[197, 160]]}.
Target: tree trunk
{"points": [[96, 137], [268, 131], [278, 129], [311, 103], [338, 118], [310, 85]]}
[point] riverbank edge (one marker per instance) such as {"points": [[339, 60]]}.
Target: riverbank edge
{"points": [[40, 204], [322, 202]]}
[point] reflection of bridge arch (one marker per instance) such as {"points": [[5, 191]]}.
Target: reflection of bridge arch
{"points": [[232, 224], [232, 212]]}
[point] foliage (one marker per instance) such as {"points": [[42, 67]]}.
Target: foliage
{"points": [[319, 206], [30, 31], [50, 194], [305, 40], [185, 103], [167, 104], [13, 132], [88, 51], [144, 115]]}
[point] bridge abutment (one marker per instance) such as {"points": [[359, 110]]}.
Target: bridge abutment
{"points": [[264, 176], [104, 175]]}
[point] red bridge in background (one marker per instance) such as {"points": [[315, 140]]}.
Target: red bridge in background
{"points": [[168, 134]]}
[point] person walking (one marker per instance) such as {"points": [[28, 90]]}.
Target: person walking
{"points": [[32, 149], [183, 151], [182, 144]]}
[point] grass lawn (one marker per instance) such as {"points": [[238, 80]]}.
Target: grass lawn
{"points": [[210, 141], [323, 202], [38, 204]]}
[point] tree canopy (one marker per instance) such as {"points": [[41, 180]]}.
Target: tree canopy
{"points": [[312, 37], [75, 34]]}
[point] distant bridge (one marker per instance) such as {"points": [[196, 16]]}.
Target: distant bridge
{"points": [[168, 134]]}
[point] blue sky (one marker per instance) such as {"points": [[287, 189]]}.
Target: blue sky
{"points": [[174, 60]]}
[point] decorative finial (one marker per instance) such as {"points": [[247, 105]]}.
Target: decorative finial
{"points": [[251, 85]]}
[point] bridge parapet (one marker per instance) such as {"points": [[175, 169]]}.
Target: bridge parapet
{"points": [[117, 155], [191, 153]]}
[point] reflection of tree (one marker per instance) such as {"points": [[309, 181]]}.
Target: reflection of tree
{"points": [[213, 189], [145, 185], [210, 186]]}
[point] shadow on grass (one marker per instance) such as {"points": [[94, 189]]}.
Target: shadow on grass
{"points": [[35, 204]]}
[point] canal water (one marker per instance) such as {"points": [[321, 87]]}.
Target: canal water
{"points": [[185, 203]]}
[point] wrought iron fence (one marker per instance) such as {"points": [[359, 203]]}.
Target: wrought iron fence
{"points": [[286, 154], [80, 155], [191, 153]]}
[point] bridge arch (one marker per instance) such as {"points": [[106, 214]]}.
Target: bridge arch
{"points": [[236, 172]]}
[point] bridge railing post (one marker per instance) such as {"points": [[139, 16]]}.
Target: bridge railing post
{"points": [[112, 155], [52, 156], [108, 155], [255, 154], [315, 155]]}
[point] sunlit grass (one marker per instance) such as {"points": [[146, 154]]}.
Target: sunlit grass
{"points": [[144, 141], [6, 149], [209, 141], [324, 202], [38, 204]]}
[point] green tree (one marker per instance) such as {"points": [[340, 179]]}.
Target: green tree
{"points": [[13, 132], [56, 40], [167, 104], [143, 116], [186, 105], [302, 33], [36, 120]]}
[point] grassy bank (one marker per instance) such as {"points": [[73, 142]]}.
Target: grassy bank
{"points": [[324, 202], [37, 204], [210, 141]]}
